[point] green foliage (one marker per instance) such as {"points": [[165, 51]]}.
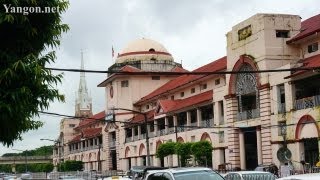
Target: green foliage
{"points": [[71, 165], [5, 168], [202, 151], [184, 152], [166, 149], [43, 167], [26, 86], [41, 151]]}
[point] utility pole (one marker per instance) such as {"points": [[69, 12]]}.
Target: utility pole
{"points": [[176, 131]]}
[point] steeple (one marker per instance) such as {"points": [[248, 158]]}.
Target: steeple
{"points": [[83, 106]]}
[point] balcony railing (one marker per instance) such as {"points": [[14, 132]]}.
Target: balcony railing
{"points": [[170, 130], [308, 102], [249, 114], [143, 136], [135, 138], [181, 128], [281, 108], [206, 123], [112, 143], [128, 139], [161, 132], [151, 134]]}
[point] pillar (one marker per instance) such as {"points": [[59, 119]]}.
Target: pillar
{"points": [[289, 95], [188, 119], [259, 145], [139, 132], [155, 127], [166, 123], [199, 118], [242, 151]]}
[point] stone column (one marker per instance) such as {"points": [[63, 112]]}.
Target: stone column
{"points": [[139, 132], [132, 133], [217, 114], [233, 153], [166, 123], [175, 120], [155, 125], [289, 95], [265, 118], [259, 145], [199, 118], [242, 151], [188, 119]]}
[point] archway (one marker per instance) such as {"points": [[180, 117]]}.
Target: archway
{"points": [[180, 140], [142, 154], [245, 87], [158, 143], [205, 137], [126, 156], [307, 132]]}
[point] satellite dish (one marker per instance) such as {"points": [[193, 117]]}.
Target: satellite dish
{"points": [[284, 154]]}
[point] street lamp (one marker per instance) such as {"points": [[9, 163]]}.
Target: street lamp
{"points": [[25, 157], [59, 149], [146, 126]]}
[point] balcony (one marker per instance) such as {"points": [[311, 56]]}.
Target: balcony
{"points": [[181, 128], [151, 134], [112, 143], [249, 114], [143, 136], [128, 139], [308, 102], [170, 130], [135, 138], [161, 132], [206, 123], [281, 108]]}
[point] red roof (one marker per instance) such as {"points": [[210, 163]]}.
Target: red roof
{"points": [[87, 133], [217, 65], [310, 62], [174, 105], [178, 69], [97, 117], [139, 117], [308, 27]]}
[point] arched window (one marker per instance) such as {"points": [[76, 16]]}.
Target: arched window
{"points": [[247, 93]]}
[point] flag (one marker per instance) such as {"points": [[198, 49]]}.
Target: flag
{"points": [[112, 52]]}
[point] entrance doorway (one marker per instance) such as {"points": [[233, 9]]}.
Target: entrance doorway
{"points": [[250, 142], [129, 163], [311, 151], [114, 159]]}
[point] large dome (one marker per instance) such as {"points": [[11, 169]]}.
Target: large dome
{"points": [[143, 49]]}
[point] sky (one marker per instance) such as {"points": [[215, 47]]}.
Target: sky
{"points": [[192, 31]]}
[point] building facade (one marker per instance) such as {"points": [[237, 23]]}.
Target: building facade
{"points": [[251, 117]]}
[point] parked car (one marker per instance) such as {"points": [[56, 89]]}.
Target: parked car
{"points": [[311, 176], [252, 175], [194, 173], [139, 172], [272, 168], [115, 178]]}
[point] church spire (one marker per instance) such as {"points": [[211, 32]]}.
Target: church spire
{"points": [[83, 100]]}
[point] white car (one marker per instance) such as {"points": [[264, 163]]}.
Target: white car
{"points": [[183, 174], [311, 176], [252, 175], [115, 178]]}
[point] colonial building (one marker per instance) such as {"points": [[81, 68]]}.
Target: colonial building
{"points": [[249, 117], [80, 138]]}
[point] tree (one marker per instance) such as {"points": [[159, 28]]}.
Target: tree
{"points": [[183, 150], [71, 165], [26, 86], [166, 149], [202, 152]]}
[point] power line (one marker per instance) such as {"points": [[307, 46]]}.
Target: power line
{"points": [[181, 126], [186, 73]]}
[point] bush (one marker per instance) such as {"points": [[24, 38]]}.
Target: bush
{"points": [[202, 152], [70, 166]]}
